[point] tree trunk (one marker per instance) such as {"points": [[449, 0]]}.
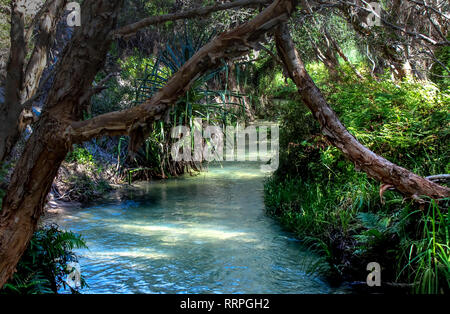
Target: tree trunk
{"points": [[59, 125], [23, 85], [38, 59], [10, 109], [27, 192], [48, 145], [364, 159]]}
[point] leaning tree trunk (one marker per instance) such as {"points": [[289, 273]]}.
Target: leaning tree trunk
{"points": [[23, 85], [27, 193], [48, 145], [59, 125], [10, 110], [364, 159]]}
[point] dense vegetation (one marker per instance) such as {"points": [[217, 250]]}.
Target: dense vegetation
{"points": [[388, 84], [338, 211], [43, 268]]}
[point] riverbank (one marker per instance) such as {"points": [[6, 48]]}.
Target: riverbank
{"points": [[350, 219], [193, 234]]}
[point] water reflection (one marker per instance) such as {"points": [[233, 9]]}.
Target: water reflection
{"points": [[203, 234]]}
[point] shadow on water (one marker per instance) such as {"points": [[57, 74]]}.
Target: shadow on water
{"points": [[202, 234]]}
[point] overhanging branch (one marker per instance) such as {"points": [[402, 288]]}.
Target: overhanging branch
{"points": [[364, 159], [197, 12], [228, 45]]}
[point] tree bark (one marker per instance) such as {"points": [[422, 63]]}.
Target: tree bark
{"points": [[58, 128], [197, 12], [48, 145], [10, 109], [364, 159], [23, 85], [228, 45], [38, 59]]}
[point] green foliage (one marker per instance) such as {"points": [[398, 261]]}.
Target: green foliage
{"points": [[208, 99], [405, 123], [429, 255], [43, 267], [439, 73], [134, 10], [134, 66], [80, 155], [118, 94], [83, 178], [272, 82], [309, 32], [319, 195]]}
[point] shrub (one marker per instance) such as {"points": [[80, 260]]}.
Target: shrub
{"points": [[43, 267], [80, 155], [428, 256], [318, 194]]}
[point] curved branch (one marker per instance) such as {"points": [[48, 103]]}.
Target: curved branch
{"points": [[439, 178], [198, 12], [364, 159], [228, 45]]}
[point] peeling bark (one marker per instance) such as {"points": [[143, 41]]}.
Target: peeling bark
{"points": [[228, 45], [48, 145], [23, 85], [364, 159], [57, 128], [10, 109], [38, 59]]}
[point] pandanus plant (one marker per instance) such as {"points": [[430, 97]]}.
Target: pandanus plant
{"points": [[209, 98]]}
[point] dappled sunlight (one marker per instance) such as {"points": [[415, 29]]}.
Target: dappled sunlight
{"points": [[206, 232], [190, 231], [233, 174], [142, 253]]}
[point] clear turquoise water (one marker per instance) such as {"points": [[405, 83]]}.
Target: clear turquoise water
{"points": [[203, 234]]}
